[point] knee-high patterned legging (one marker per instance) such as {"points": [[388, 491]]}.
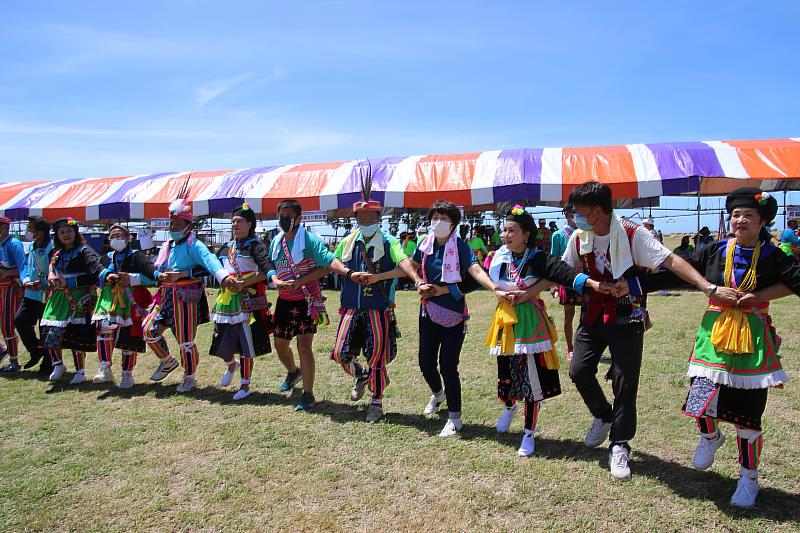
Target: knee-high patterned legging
{"points": [[106, 341], [78, 356], [9, 301], [748, 441], [246, 370], [185, 329]]}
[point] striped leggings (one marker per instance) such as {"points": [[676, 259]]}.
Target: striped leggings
{"points": [[184, 328], [749, 441], [9, 301], [106, 341], [78, 356], [365, 330]]}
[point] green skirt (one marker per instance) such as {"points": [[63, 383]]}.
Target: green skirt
{"points": [[121, 313], [58, 311], [531, 333], [757, 370]]}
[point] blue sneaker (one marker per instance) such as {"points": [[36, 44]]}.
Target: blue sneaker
{"points": [[292, 378], [306, 403]]}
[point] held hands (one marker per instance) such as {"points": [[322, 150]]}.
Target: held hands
{"points": [[112, 279], [617, 289], [281, 284], [56, 281], [362, 278], [124, 279]]}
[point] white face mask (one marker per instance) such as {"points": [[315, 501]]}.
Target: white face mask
{"points": [[118, 244], [28, 235], [441, 228], [369, 231]]}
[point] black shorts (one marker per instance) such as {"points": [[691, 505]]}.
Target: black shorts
{"points": [[292, 319]]}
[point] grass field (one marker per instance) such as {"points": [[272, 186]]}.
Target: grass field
{"points": [[92, 458]]}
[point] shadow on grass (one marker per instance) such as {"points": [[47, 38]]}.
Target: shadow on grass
{"points": [[686, 482]]}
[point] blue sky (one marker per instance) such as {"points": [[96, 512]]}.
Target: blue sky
{"points": [[115, 88]]}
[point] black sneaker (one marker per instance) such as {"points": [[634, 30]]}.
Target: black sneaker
{"points": [[292, 379], [12, 368], [306, 402]]}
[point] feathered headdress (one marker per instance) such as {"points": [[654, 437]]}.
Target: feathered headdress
{"points": [[180, 208], [365, 176]]}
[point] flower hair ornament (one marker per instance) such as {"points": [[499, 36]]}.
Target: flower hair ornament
{"points": [[762, 198], [246, 206], [71, 221], [518, 210]]}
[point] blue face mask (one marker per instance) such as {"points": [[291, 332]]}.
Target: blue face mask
{"points": [[581, 222], [176, 235], [369, 231]]}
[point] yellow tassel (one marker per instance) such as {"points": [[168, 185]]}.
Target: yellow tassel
{"points": [[225, 296], [118, 300], [502, 322], [731, 333], [551, 360]]}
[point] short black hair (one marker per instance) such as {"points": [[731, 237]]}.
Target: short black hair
{"points": [[39, 224], [291, 204], [592, 194], [443, 207]]}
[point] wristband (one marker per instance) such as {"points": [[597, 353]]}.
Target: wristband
{"points": [[349, 274]]}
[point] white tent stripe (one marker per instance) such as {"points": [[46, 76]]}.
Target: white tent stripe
{"points": [[482, 189]]}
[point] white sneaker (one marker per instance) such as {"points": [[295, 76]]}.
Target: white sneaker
{"points": [[78, 378], [104, 375], [706, 448], [186, 384], [164, 368], [241, 394], [58, 372], [504, 422], [436, 402], [618, 461], [127, 381], [227, 377], [452, 427], [598, 433], [746, 490], [528, 444]]}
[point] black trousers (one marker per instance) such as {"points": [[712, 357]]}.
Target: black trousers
{"points": [[28, 315], [439, 352], [625, 344]]}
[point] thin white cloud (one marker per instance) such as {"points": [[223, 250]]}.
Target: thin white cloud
{"points": [[208, 91]]}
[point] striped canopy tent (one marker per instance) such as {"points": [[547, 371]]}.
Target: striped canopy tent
{"points": [[472, 180]]}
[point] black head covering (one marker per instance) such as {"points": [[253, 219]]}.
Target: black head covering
{"points": [[246, 212], [754, 198]]}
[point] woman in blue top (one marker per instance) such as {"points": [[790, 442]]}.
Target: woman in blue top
{"points": [[446, 260]]}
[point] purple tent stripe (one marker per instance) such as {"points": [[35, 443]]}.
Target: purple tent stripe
{"points": [[679, 186], [527, 192], [118, 205], [21, 209], [518, 175], [685, 159], [382, 171]]}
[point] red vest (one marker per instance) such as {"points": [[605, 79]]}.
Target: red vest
{"points": [[618, 311]]}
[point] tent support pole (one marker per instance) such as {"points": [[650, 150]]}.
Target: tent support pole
{"points": [[700, 181]]}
